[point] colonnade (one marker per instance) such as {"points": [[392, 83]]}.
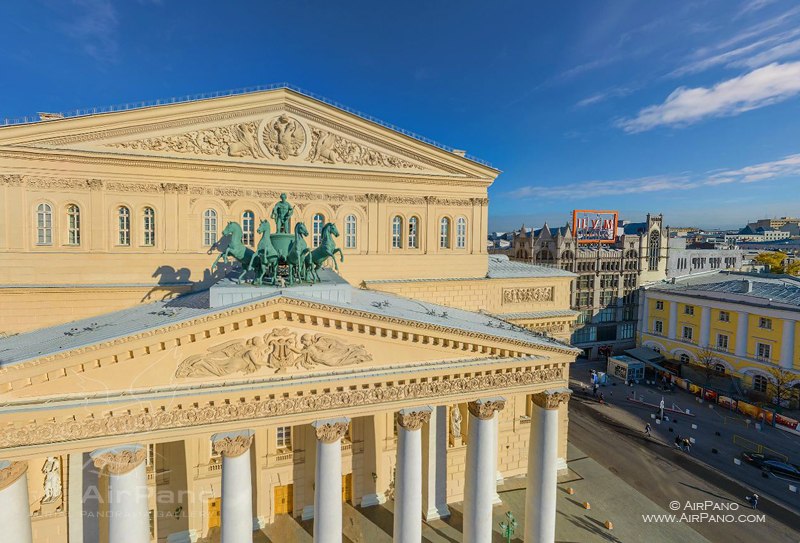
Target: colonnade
{"points": [[128, 516]]}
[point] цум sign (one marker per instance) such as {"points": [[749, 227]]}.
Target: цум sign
{"points": [[594, 226]]}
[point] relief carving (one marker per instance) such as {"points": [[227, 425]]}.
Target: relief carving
{"points": [[52, 479], [284, 136], [233, 446], [330, 432], [235, 140], [486, 409], [279, 350], [329, 148], [121, 462], [527, 295], [413, 420], [551, 399]]}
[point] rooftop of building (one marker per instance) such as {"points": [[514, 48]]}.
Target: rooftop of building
{"points": [[743, 287], [152, 316]]}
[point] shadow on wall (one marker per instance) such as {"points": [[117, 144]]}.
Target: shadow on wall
{"points": [[172, 282]]}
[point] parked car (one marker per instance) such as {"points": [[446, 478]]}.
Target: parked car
{"points": [[772, 464]]}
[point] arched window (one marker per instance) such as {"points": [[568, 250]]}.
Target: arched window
{"points": [[413, 227], [444, 233], [149, 227], [759, 383], [685, 358], [397, 232], [123, 226], [719, 369], [44, 225], [73, 225], [350, 232], [248, 228], [461, 233], [654, 250], [209, 227], [316, 229]]}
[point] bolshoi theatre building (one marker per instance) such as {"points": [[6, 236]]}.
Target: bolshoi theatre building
{"points": [[147, 394]]}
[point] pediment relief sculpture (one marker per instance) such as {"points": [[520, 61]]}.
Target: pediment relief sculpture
{"points": [[236, 140], [279, 350], [329, 148]]}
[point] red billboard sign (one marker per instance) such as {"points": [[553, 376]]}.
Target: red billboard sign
{"points": [[594, 226]]}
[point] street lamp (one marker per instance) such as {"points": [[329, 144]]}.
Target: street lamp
{"points": [[508, 526]]}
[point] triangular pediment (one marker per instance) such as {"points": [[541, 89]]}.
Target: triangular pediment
{"points": [[278, 128]]}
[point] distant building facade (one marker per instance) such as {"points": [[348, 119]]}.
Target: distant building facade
{"points": [[683, 261]]}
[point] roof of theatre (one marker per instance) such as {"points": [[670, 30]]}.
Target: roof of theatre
{"points": [[144, 317]]}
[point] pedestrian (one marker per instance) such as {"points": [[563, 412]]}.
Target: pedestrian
{"points": [[754, 501], [647, 429], [594, 390], [686, 443], [678, 442], [602, 398]]}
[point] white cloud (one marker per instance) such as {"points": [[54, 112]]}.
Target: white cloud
{"points": [[786, 167], [618, 92], [764, 86], [94, 25]]}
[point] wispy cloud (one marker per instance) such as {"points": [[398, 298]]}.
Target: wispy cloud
{"points": [[784, 168], [759, 88], [94, 24], [617, 92], [751, 6]]}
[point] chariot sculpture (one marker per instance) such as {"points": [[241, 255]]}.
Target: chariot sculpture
{"points": [[281, 256]]}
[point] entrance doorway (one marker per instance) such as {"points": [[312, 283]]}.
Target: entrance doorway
{"points": [[284, 499], [214, 512], [347, 487]]}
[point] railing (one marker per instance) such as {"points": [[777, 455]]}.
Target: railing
{"points": [[235, 92], [757, 448]]}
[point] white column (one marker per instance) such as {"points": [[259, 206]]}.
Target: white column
{"points": [[128, 511], [75, 468], [328, 480], [705, 326], [540, 496], [742, 318], [434, 465], [237, 485], [15, 515], [787, 343], [408, 477], [481, 470], [672, 333]]}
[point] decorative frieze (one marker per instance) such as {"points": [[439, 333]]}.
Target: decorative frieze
{"points": [[331, 431], [413, 419], [485, 409], [188, 416], [233, 446], [551, 399], [279, 350], [527, 295], [120, 461], [329, 148]]}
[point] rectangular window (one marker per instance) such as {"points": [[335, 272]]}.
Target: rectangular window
{"points": [[688, 333], [765, 323], [607, 297], [688, 310], [626, 330], [629, 313], [658, 327], [763, 351], [724, 316], [659, 305], [607, 314], [722, 342], [585, 281], [584, 335], [283, 437], [585, 316], [584, 299]]}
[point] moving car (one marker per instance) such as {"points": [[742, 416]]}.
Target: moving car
{"points": [[772, 464]]}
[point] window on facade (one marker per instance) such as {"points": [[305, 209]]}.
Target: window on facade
{"points": [[397, 232], [317, 222], [209, 227], [722, 342], [608, 281], [685, 358], [626, 330], [585, 316], [283, 437], [607, 314], [719, 369], [73, 225], [584, 299], [44, 225], [444, 233], [150, 460], [461, 233], [586, 281], [629, 313], [659, 305], [724, 316], [584, 335], [688, 310], [654, 250], [123, 226], [763, 351], [350, 232], [248, 228], [765, 323], [149, 227], [413, 229], [607, 297], [688, 332], [658, 327], [760, 383]]}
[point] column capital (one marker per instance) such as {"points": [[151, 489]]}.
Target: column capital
{"points": [[10, 472], [551, 399], [331, 430], [232, 444], [413, 418], [119, 460], [485, 408]]}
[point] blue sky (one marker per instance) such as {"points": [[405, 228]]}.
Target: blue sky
{"points": [[686, 108]]}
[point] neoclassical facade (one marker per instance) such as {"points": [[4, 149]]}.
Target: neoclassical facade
{"points": [[146, 398]]}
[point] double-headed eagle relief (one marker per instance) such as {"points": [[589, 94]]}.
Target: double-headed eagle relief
{"points": [[284, 137], [279, 350]]}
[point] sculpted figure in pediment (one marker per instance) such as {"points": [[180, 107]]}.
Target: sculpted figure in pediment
{"points": [[284, 137], [330, 351]]}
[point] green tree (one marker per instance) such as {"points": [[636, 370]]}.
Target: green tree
{"points": [[778, 262]]}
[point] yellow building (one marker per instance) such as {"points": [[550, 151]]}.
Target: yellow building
{"points": [[748, 323], [146, 398]]}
